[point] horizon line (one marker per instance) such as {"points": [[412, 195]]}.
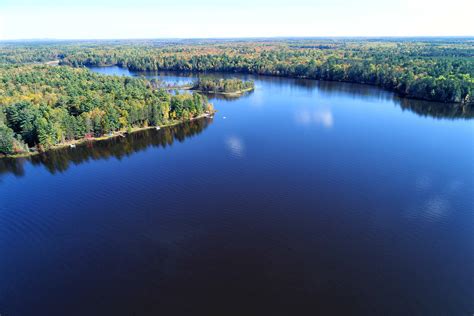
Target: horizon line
{"points": [[242, 37]]}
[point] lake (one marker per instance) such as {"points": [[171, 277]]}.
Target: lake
{"points": [[302, 197]]}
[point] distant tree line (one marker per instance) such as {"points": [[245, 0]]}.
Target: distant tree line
{"points": [[44, 105], [436, 70]]}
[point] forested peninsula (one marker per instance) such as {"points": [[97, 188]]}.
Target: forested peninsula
{"points": [[46, 106]]}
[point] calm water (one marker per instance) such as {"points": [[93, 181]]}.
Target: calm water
{"points": [[300, 198]]}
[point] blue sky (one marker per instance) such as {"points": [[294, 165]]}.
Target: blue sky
{"points": [[98, 19]]}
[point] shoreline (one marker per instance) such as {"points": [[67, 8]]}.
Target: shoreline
{"points": [[190, 88], [236, 93], [119, 133]]}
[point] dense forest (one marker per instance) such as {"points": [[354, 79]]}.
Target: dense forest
{"points": [[437, 69], [429, 69], [223, 85], [44, 105]]}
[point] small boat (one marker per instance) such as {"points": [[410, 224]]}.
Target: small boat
{"points": [[157, 128], [72, 146]]}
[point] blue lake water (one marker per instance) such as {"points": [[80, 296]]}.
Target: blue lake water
{"points": [[302, 197]]}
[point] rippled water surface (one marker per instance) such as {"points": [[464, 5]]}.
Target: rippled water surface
{"points": [[300, 198]]}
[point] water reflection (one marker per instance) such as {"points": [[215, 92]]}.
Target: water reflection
{"points": [[235, 146], [435, 198], [437, 110], [360, 91], [60, 160], [436, 207], [323, 117]]}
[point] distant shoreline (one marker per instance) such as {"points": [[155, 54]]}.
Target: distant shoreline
{"points": [[190, 88], [392, 90]]}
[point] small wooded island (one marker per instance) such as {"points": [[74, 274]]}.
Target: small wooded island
{"points": [[223, 86]]}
